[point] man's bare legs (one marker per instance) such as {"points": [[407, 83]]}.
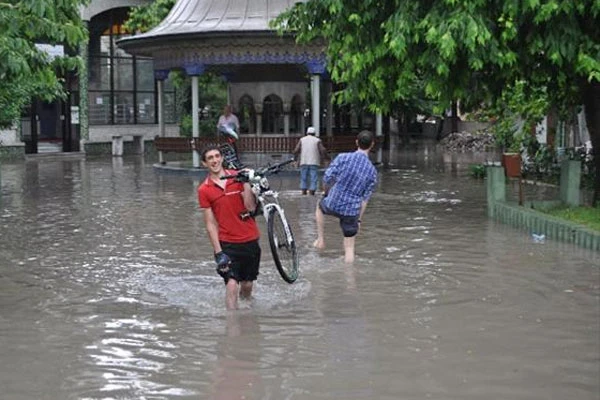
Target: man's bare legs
{"points": [[231, 293], [320, 218], [349, 249], [246, 290]]}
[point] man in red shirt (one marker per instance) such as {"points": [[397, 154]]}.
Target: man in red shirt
{"points": [[234, 238]]}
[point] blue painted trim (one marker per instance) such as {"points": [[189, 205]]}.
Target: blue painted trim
{"points": [[194, 68], [316, 62], [316, 66], [161, 74]]}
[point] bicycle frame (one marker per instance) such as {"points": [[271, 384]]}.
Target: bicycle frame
{"points": [[268, 204], [266, 197], [269, 199]]}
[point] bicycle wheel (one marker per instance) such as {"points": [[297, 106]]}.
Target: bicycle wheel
{"points": [[284, 251]]}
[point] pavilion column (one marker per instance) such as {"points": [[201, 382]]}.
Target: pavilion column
{"points": [[258, 107], [378, 135], [329, 126], [161, 75], [194, 70], [315, 92], [286, 118], [392, 140], [316, 68]]}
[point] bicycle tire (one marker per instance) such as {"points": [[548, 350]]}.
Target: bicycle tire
{"points": [[284, 254]]}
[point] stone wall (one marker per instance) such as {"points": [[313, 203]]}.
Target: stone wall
{"points": [[11, 146]]}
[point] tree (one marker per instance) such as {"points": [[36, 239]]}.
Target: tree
{"points": [[145, 17], [471, 50], [27, 71]]}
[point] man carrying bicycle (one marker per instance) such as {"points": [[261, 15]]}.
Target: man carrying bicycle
{"points": [[349, 182], [233, 237]]}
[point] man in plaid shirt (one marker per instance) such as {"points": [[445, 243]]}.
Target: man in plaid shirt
{"points": [[349, 182]]}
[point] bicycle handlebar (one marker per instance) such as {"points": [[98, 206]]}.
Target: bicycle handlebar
{"points": [[262, 172], [273, 169]]}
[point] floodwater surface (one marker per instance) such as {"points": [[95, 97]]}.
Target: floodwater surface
{"points": [[108, 291]]}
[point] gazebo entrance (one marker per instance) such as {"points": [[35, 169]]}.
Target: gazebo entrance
{"points": [[268, 75]]}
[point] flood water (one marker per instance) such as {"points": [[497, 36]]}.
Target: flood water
{"points": [[108, 291]]}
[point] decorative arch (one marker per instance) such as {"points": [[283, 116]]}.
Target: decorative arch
{"points": [[272, 117], [98, 7], [297, 114], [246, 114]]}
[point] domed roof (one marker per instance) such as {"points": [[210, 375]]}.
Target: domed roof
{"points": [[207, 33], [214, 17]]}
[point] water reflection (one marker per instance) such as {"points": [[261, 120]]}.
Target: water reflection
{"points": [[108, 290], [239, 351]]}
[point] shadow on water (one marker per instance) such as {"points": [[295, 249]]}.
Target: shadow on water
{"points": [[108, 290]]}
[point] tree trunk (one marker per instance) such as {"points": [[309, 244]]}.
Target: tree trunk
{"points": [[454, 126], [591, 104]]}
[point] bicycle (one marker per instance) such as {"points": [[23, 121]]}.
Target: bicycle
{"points": [[281, 238]]}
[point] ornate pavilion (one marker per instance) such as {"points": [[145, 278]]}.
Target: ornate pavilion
{"points": [[267, 74]]}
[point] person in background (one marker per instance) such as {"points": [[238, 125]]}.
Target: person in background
{"points": [[232, 234], [229, 126], [228, 122], [349, 183], [309, 152]]}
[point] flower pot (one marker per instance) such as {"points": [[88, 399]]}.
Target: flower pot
{"points": [[512, 164]]}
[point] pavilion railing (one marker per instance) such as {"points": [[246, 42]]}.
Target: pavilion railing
{"points": [[258, 144]]}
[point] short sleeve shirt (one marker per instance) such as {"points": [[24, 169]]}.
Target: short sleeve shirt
{"points": [[227, 205]]}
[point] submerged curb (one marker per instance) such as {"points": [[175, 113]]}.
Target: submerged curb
{"points": [[539, 223]]}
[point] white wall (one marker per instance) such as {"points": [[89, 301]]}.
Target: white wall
{"points": [[104, 133], [10, 137], [541, 131]]}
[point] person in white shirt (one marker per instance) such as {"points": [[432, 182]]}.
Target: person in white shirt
{"points": [[228, 122], [308, 153]]}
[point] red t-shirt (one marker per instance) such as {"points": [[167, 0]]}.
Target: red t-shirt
{"points": [[227, 205]]}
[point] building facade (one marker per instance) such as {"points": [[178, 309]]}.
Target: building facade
{"points": [[275, 86], [116, 94]]}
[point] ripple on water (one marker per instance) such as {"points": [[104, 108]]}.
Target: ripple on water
{"points": [[108, 291]]}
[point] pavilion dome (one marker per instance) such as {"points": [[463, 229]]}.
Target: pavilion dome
{"points": [[197, 18], [200, 35]]}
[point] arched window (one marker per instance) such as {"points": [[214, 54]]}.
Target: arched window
{"points": [[297, 115], [246, 114], [272, 118]]}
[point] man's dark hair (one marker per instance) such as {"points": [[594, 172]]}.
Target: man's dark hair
{"points": [[208, 148], [365, 140]]}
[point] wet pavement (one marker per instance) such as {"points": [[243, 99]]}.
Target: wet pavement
{"points": [[108, 291]]}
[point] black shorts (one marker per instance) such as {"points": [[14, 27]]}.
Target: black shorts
{"points": [[245, 260], [348, 223]]}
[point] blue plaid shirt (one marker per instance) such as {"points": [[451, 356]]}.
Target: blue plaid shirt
{"points": [[351, 178]]}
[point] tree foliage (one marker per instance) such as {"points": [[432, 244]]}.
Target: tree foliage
{"points": [[469, 50], [145, 17], [26, 72]]}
